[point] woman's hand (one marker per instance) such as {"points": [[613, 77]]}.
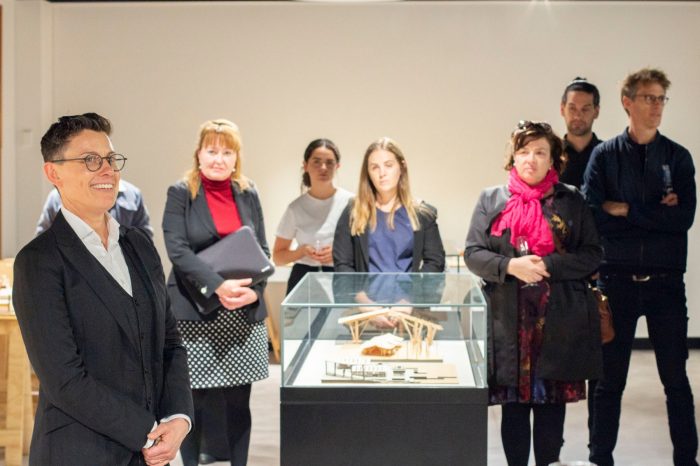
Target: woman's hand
{"points": [[234, 294], [323, 255], [530, 269], [283, 255], [392, 321]]}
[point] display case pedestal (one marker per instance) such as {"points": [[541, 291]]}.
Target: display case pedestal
{"points": [[380, 426], [384, 369]]}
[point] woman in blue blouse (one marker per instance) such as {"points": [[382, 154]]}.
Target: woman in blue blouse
{"points": [[384, 229]]}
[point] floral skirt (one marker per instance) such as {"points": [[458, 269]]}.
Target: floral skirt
{"points": [[532, 309]]}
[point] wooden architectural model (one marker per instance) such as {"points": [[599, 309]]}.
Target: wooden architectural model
{"points": [[414, 326], [382, 345]]}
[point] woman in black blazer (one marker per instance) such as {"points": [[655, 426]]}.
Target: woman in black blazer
{"points": [[384, 229], [534, 243], [227, 349]]}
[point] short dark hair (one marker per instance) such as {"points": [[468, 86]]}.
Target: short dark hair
{"points": [[527, 131], [582, 85], [63, 130], [313, 145]]}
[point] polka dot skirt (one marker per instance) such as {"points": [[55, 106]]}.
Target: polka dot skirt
{"points": [[225, 352]]}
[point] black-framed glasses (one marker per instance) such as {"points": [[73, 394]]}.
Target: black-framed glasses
{"points": [[93, 162], [541, 125], [651, 99]]}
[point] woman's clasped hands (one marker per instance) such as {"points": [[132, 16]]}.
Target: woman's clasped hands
{"points": [[234, 294], [529, 269]]}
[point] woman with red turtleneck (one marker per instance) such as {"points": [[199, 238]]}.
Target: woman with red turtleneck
{"points": [[227, 349]]}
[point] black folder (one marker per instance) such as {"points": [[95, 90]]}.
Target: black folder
{"points": [[234, 256]]}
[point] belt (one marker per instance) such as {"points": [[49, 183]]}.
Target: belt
{"points": [[643, 278]]}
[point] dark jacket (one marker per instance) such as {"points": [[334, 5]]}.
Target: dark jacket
{"points": [[571, 349], [350, 253], [652, 236], [576, 162], [188, 228], [95, 406]]}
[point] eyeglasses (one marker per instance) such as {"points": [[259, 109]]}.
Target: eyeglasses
{"points": [[93, 162], [541, 125], [650, 99]]}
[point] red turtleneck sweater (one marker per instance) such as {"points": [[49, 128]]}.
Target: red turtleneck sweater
{"points": [[222, 206]]}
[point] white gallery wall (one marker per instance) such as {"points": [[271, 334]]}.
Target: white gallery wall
{"points": [[447, 80]]}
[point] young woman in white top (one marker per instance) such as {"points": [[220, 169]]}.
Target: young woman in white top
{"points": [[311, 218]]}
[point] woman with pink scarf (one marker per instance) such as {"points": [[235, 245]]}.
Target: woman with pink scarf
{"points": [[534, 243]]}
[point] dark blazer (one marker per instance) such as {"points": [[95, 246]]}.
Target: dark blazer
{"points": [[350, 253], [87, 354], [188, 228], [571, 349]]}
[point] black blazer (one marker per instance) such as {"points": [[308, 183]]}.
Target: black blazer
{"points": [[188, 228], [351, 253], [571, 349], [87, 355]]}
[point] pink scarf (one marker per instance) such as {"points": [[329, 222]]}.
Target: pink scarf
{"points": [[523, 213]]}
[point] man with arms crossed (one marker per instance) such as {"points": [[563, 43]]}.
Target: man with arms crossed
{"points": [[92, 306], [641, 187]]}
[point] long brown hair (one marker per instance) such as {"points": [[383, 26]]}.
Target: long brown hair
{"points": [[364, 210], [224, 133]]}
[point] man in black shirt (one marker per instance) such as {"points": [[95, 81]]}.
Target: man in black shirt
{"points": [[641, 188], [580, 105]]}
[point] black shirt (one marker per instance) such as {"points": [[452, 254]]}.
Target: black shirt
{"points": [[577, 161]]}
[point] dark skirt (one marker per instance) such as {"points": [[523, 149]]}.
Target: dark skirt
{"points": [[532, 309]]}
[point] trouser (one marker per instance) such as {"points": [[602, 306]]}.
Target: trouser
{"points": [[590, 401], [661, 298], [238, 424], [299, 270], [547, 432], [213, 426]]}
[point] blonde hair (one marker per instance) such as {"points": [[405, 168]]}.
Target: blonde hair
{"points": [[224, 133], [364, 210]]}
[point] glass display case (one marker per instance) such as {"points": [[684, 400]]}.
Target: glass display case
{"points": [[363, 354]]}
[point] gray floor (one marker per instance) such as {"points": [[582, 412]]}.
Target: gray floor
{"points": [[644, 439]]}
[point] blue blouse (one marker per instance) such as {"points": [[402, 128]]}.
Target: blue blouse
{"points": [[391, 250]]}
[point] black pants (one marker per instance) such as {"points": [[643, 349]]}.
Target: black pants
{"points": [[661, 300], [238, 424], [547, 432], [298, 272], [213, 438]]}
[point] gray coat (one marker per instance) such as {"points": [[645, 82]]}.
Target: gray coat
{"points": [[571, 349]]}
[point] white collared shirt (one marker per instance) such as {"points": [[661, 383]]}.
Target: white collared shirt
{"points": [[111, 258]]}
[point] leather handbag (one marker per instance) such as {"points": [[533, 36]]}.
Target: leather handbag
{"points": [[607, 331]]}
